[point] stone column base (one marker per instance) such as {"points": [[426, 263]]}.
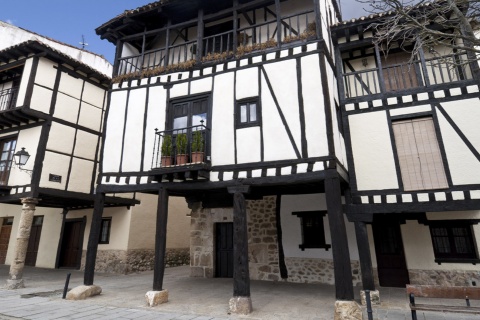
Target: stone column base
{"points": [[154, 298], [240, 305], [83, 292], [347, 310], [14, 284], [374, 297]]}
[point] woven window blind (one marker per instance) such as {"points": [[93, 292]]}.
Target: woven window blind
{"points": [[419, 155]]}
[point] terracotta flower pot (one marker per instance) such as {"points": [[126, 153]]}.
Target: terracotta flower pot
{"points": [[181, 159], [197, 157], [166, 161]]}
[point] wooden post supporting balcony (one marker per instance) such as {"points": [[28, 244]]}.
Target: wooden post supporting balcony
{"points": [[241, 302], [381, 79], [200, 30], [118, 55], [423, 65], [341, 255], [160, 240], [365, 256], [235, 26], [318, 19], [279, 22], [167, 42], [92, 247]]}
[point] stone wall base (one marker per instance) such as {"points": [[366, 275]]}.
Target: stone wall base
{"points": [[347, 310], [14, 284], [124, 262], [240, 305], [374, 297], [448, 278]]}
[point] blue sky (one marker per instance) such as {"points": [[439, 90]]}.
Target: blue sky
{"points": [[68, 20]]}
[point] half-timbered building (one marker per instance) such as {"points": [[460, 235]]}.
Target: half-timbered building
{"points": [[273, 119], [412, 141], [52, 104]]}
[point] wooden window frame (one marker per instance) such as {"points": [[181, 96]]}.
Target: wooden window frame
{"points": [[432, 161], [238, 118], [318, 231], [104, 220], [5, 176], [454, 256]]}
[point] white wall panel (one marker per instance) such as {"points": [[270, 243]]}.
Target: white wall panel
{"points": [[247, 83], [114, 135], [248, 145], [202, 85], [81, 175], [27, 69], [372, 151], [132, 152], [464, 166], [222, 120], [312, 91], [70, 85], [157, 104], [93, 95], [28, 139], [66, 108], [41, 99], [179, 90], [57, 164], [466, 115], [85, 145], [46, 73], [61, 138], [90, 117]]}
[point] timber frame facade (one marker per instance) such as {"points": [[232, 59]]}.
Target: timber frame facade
{"points": [[236, 104]]}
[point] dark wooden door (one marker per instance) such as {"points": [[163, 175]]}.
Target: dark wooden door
{"points": [[71, 248], [5, 233], [224, 250], [34, 241], [391, 264]]}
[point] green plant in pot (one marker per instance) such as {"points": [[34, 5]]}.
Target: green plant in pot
{"points": [[181, 144], [167, 151], [197, 147]]}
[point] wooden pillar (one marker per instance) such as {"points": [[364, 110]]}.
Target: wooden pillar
{"points": [[93, 238], [365, 256], [381, 80], [118, 55], [341, 255], [318, 19], [160, 240], [235, 26], [200, 30], [278, 12], [15, 280], [241, 301]]}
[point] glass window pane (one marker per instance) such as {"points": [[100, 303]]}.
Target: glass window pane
{"points": [[243, 113], [198, 118], [253, 112], [179, 123]]}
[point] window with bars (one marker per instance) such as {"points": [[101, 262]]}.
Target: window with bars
{"points": [[105, 231], [7, 149], [453, 240], [247, 113], [419, 156], [313, 233]]}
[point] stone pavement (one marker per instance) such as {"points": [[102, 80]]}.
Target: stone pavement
{"points": [[189, 298]]}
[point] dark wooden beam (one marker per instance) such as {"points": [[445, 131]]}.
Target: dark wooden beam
{"points": [[341, 255], [241, 276], [365, 256], [160, 240], [92, 247]]}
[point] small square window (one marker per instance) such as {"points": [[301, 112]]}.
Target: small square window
{"points": [[313, 233], [105, 231], [452, 240], [247, 113]]}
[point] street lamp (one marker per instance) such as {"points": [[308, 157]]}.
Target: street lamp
{"points": [[21, 157]]}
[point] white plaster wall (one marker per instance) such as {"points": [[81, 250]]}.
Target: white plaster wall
{"points": [[372, 151], [312, 91], [61, 138], [292, 229], [28, 139], [86, 145], [93, 95], [155, 120], [132, 152], [222, 120], [49, 238], [54, 163], [201, 86], [464, 166], [247, 85], [248, 145], [179, 90], [81, 175], [90, 116], [41, 99], [66, 108], [27, 69], [70, 85], [114, 135], [46, 73], [410, 110]]}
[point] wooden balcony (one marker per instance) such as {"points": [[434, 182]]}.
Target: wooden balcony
{"points": [[406, 78], [182, 154], [183, 53], [8, 98]]}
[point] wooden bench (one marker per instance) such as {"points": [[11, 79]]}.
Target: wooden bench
{"points": [[467, 293]]}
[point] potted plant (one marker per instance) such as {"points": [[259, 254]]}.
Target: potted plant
{"points": [[197, 147], [181, 144], [167, 151]]}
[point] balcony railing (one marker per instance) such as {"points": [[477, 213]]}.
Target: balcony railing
{"points": [[181, 147], [8, 98], [401, 77], [259, 36]]}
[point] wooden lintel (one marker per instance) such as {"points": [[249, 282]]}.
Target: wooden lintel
{"points": [[239, 189]]}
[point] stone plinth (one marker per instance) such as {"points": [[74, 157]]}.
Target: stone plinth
{"points": [[374, 297], [347, 310], [240, 305], [83, 292], [14, 284], [154, 298]]}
